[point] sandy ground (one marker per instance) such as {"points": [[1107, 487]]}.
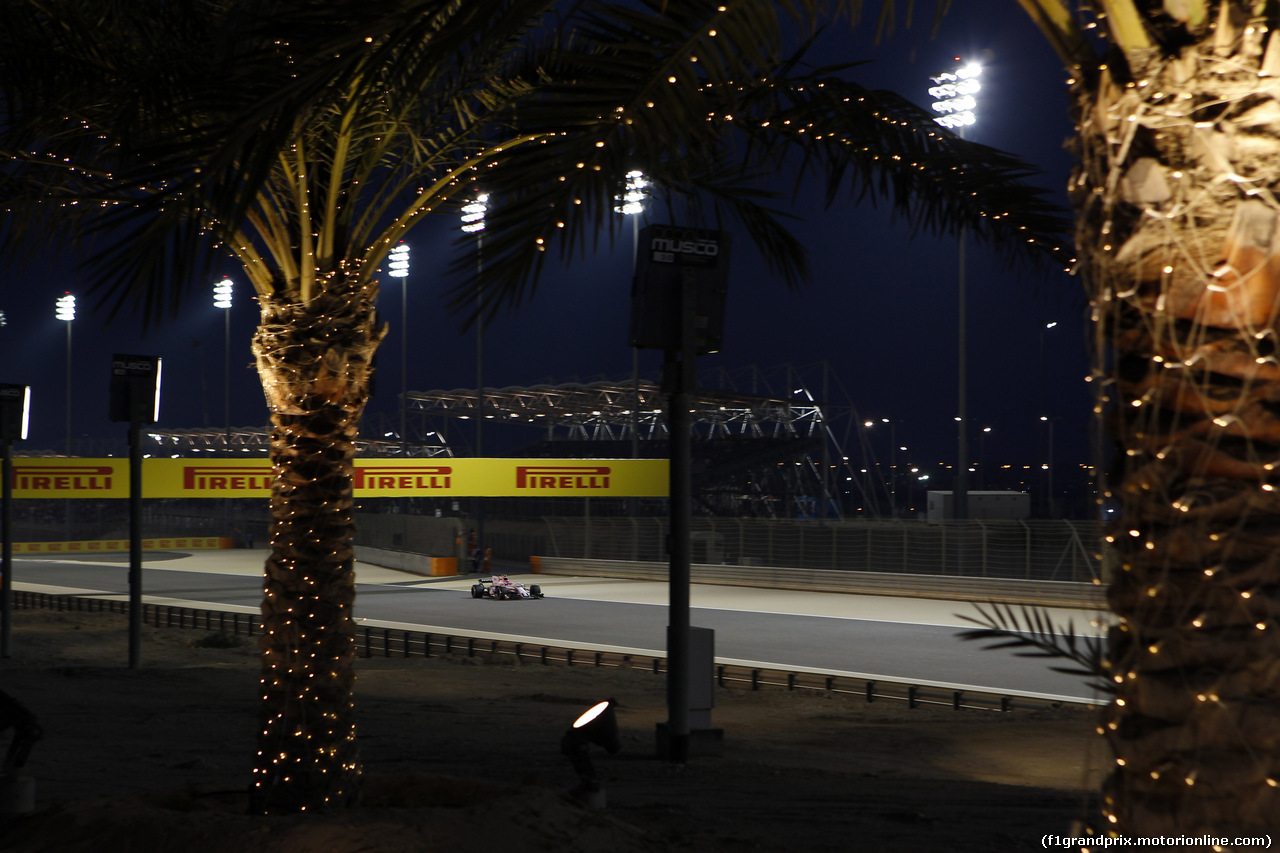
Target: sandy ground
{"points": [[462, 754]]}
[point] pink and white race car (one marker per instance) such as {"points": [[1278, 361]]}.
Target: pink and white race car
{"points": [[504, 588]]}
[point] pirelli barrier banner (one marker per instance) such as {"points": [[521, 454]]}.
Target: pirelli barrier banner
{"points": [[374, 478]]}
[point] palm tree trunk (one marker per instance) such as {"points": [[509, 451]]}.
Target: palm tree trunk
{"points": [[1180, 246], [315, 363]]}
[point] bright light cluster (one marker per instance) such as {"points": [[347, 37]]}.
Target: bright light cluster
{"points": [[222, 294], [65, 308], [398, 261], [953, 95], [473, 214], [631, 201]]}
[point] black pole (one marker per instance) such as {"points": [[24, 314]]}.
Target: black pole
{"points": [[682, 378], [135, 543], [6, 550]]}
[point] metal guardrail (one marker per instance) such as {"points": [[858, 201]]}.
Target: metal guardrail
{"points": [[394, 642]]}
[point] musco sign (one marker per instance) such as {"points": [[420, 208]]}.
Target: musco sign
{"points": [[674, 261]]}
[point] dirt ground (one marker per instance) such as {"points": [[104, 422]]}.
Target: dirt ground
{"points": [[462, 755]]}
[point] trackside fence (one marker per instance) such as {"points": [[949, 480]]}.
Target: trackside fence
{"points": [[1049, 550], [385, 642]]}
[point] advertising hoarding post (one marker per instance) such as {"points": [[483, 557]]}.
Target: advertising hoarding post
{"points": [[677, 305], [15, 403], [135, 398]]}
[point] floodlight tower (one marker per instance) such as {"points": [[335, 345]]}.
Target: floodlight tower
{"points": [[473, 223], [398, 267], [630, 202], [954, 95], [473, 213], [65, 310], [222, 299]]}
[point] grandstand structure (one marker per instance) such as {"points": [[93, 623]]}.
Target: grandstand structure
{"points": [[257, 440], [757, 453]]}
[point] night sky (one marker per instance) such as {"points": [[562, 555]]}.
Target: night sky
{"points": [[880, 311]]}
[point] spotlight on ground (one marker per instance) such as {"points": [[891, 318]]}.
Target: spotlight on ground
{"points": [[597, 726]]}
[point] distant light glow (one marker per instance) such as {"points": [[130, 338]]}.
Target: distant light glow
{"points": [[954, 93]]}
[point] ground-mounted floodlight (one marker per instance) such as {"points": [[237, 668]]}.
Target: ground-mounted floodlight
{"points": [[597, 726], [26, 731]]}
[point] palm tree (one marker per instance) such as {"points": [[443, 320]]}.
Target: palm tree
{"points": [[1174, 194], [306, 138]]}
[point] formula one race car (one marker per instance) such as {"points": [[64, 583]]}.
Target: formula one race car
{"points": [[502, 587]]}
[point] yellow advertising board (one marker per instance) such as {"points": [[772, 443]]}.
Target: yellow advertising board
{"points": [[374, 478]]}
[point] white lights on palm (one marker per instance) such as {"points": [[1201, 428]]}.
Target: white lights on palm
{"points": [[954, 96]]}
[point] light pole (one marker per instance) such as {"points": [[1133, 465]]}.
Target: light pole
{"points": [[982, 457], [65, 310], [1048, 467], [631, 203], [473, 223], [398, 267], [954, 97], [222, 299], [893, 463]]}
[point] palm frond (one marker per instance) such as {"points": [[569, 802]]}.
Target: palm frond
{"points": [[178, 143]]}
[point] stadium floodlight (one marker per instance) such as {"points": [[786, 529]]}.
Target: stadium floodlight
{"points": [[473, 213], [954, 95]]}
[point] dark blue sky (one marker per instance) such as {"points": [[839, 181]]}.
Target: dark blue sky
{"points": [[880, 310]]}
